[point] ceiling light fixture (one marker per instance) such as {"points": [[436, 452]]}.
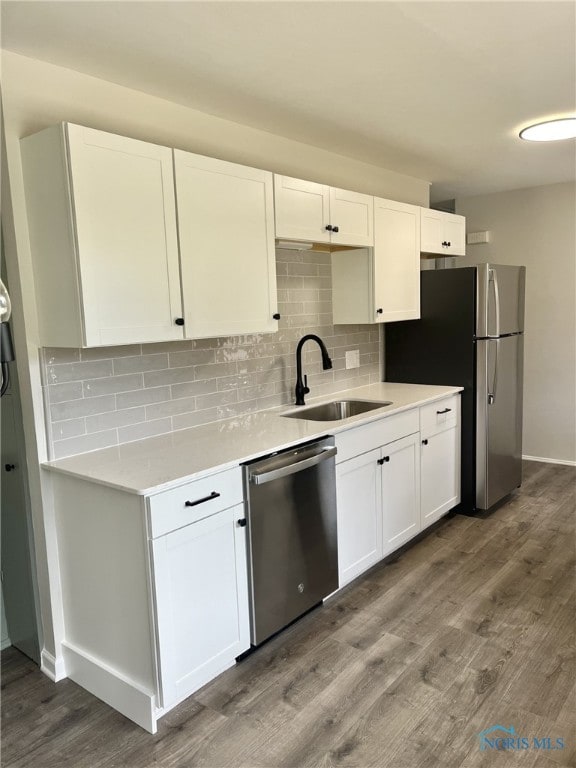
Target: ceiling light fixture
{"points": [[550, 130]]}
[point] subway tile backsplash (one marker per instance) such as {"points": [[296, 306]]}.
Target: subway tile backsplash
{"points": [[97, 398]]}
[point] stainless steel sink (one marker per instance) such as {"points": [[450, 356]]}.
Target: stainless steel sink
{"points": [[337, 410]]}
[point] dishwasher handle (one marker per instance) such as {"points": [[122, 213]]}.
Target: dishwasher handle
{"points": [[259, 478]]}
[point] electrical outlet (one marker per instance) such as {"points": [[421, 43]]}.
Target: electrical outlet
{"points": [[353, 359]]}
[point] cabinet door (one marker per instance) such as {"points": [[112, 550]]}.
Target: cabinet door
{"points": [[440, 475], [352, 214], [455, 234], [201, 602], [125, 224], [431, 231], [359, 515], [228, 261], [301, 210], [400, 492], [396, 261]]}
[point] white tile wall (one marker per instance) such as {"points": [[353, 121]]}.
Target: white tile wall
{"points": [[101, 397]]}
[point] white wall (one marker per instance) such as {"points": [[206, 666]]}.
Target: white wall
{"points": [[35, 95], [537, 227]]}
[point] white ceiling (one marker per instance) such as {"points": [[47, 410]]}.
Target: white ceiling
{"points": [[436, 90]]}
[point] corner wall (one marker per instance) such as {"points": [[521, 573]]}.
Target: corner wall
{"points": [[536, 227]]}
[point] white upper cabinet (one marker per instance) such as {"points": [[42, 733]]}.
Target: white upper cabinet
{"points": [[381, 284], [316, 213], [226, 231], [442, 233], [351, 218], [302, 209], [102, 225]]}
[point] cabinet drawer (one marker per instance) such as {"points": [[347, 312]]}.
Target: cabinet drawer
{"points": [[358, 440], [168, 511], [440, 415]]}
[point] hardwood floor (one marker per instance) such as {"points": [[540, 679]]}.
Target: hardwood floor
{"points": [[471, 627]]}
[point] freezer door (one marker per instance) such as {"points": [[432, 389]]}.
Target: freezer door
{"points": [[499, 418], [500, 300]]}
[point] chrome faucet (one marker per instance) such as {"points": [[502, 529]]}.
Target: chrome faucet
{"points": [[302, 386]]}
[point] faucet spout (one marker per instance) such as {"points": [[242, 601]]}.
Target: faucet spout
{"points": [[302, 385]]}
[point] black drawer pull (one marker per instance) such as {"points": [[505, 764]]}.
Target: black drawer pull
{"points": [[276, 316], [328, 227], [381, 461], [335, 229], [213, 495], [446, 410], [9, 467], [424, 442], [241, 522], [179, 321]]}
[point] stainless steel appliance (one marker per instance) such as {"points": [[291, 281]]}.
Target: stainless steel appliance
{"points": [[292, 546], [471, 334]]}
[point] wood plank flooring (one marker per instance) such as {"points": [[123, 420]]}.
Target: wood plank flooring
{"points": [[470, 627]]}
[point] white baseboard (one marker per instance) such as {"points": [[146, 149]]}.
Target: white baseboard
{"points": [[564, 462], [51, 666], [5, 643], [124, 695]]}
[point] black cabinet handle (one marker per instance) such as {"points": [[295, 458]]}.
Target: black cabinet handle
{"points": [[328, 227], [379, 311], [448, 243], [424, 442], [242, 522], [446, 410], [213, 495], [445, 244], [385, 459], [276, 315], [9, 467], [335, 229], [179, 321]]}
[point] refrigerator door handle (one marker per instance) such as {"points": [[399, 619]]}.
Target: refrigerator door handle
{"points": [[493, 388], [492, 278]]}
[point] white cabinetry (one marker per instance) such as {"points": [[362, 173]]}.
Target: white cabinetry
{"points": [[154, 589], [226, 230], [392, 481], [377, 491], [102, 217], [442, 233], [201, 602], [358, 494], [400, 492], [102, 225], [381, 284], [440, 458], [317, 213], [199, 582]]}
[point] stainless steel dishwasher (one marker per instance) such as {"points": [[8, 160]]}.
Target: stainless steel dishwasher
{"points": [[292, 545]]}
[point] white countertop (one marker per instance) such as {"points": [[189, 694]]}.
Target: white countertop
{"points": [[157, 463]]}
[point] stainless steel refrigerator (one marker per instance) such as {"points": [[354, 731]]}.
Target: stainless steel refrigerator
{"points": [[471, 334]]}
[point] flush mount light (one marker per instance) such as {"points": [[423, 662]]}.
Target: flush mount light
{"points": [[551, 130]]}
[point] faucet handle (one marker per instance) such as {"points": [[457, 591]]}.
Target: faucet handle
{"points": [[306, 388]]}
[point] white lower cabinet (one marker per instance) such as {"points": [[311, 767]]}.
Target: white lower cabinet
{"points": [[440, 475], [358, 493], [391, 492], [378, 496], [400, 492], [200, 590]]}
